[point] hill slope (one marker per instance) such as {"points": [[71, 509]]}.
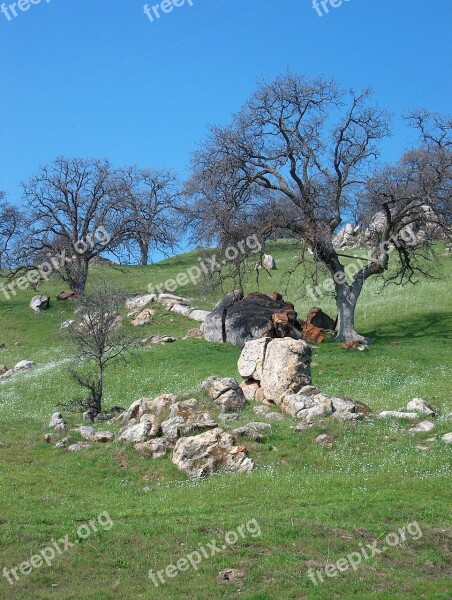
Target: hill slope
{"points": [[313, 504]]}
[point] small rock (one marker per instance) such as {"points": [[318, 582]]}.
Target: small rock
{"points": [[253, 430], [62, 443], [230, 576], [56, 419], [195, 333], [229, 416], [48, 438], [261, 410], [153, 448], [103, 437], [39, 303], [447, 437], [325, 440], [397, 414], [423, 427], [274, 416], [86, 432], [77, 447], [144, 318], [418, 404]]}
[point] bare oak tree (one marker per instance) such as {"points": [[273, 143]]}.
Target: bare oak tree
{"points": [[152, 201], [296, 160], [68, 203], [11, 222]]}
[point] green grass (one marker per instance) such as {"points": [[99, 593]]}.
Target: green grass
{"points": [[313, 504]]}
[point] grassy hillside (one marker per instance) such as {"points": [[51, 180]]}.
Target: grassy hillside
{"points": [[314, 505]]}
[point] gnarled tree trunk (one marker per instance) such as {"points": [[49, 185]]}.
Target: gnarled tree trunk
{"points": [[346, 299]]}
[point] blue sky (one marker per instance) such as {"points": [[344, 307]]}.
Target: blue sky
{"points": [[97, 78]]}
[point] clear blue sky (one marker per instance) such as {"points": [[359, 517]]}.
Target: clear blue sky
{"points": [[97, 78]]}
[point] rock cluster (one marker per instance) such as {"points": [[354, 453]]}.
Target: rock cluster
{"points": [[23, 365], [199, 446]]}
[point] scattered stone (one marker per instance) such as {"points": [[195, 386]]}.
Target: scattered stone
{"points": [[318, 318], [77, 447], [159, 339], [397, 414], [103, 437], [169, 300], [210, 452], [57, 422], [274, 416], [140, 301], [143, 318], [153, 448], [302, 426], [140, 432], [3, 369], [38, 303], [66, 295], [225, 392], [249, 389], [230, 576], [355, 346], [268, 262], [86, 432], [229, 416], [199, 315], [325, 440], [447, 437], [195, 333], [62, 443], [48, 437], [253, 430], [420, 405], [422, 427], [261, 410], [181, 309], [89, 416]]}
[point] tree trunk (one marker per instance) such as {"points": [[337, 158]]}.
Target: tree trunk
{"points": [[346, 299], [144, 254], [99, 390]]}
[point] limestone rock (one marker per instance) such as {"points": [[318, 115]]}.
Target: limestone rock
{"points": [[287, 368], [210, 452], [40, 302], [420, 405]]}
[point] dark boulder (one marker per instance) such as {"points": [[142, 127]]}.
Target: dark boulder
{"points": [[237, 319]]}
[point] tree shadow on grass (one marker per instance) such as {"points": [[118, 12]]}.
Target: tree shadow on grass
{"points": [[432, 325]]}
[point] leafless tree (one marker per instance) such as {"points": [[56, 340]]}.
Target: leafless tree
{"points": [[152, 202], [99, 339], [11, 221], [75, 212], [296, 159]]}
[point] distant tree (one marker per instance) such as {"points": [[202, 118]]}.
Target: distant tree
{"points": [[152, 201], [11, 222], [75, 211], [99, 340], [296, 160]]}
